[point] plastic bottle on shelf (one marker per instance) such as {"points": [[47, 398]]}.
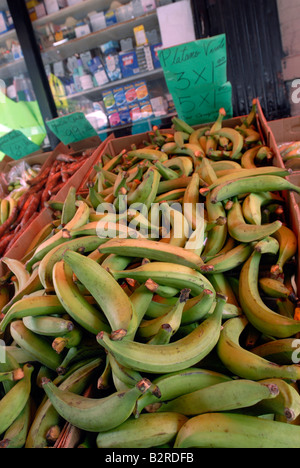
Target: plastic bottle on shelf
{"points": [[137, 8]]}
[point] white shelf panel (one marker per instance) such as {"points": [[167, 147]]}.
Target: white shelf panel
{"points": [[91, 41]]}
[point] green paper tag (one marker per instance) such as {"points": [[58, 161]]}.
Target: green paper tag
{"points": [[72, 128], [196, 76], [202, 106], [16, 145], [195, 63]]}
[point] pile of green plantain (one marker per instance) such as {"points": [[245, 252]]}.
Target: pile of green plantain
{"points": [[145, 338]]}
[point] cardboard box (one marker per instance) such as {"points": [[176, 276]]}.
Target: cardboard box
{"points": [[18, 250]]}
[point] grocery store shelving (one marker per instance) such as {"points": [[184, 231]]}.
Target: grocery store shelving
{"points": [[149, 75], [7, 36], [77, 11], [95, 39], [150, 122], [7, 70]]}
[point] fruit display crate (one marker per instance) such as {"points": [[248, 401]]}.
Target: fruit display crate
{"points": [[167, 279], [280, 132], [46, 215], [71, 436]]}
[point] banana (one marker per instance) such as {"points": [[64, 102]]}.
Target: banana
{"points": [[95, 415], [67, 340], [123, 377], [190, 203], [166, 172], [230, 260], [258, 313], [168, 274], [20, 355], [150, 430], [162, 291], [275, 288], [148, 328], [148, 154], [217, 236], [19, 271], [258, 184], [113, 301], [222, 285], [136, 219], [181, 164], [15, 435], [196, 308], [229, 430], [46, 232], [168, 185], [196, 135], [248, 159], [46, 416], [48, 326], [245, 364], [280, 351], [33, 285], [34, 307], [13, 403], [69, 207], [244, 232], [12, 204], [81, 244], [220, 166], [253, 204], [181, 126], [174, 356], [207, 172], [80, 219], [12, 376], [4, 210], [171, 196], [232, 176], [221, 397], [234, 136], [163, 336], [146, 191], [74, 303], [152, 250], [38, 346], [175, 384], [173, 217], [285, 404], [288, 246]]}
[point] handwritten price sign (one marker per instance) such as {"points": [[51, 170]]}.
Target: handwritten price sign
{"points": [[72, 128], [196, 75], [16, 145]]}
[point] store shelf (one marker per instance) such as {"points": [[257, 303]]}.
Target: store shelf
{"points": [[13, 68], [149, 75], [7, 36], [148, 122], [115, 32], [77, 11]]}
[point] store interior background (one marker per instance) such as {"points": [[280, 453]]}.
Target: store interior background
{"points": [[263, 46]]}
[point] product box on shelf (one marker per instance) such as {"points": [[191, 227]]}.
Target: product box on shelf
{"points": [[129, 63]]}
